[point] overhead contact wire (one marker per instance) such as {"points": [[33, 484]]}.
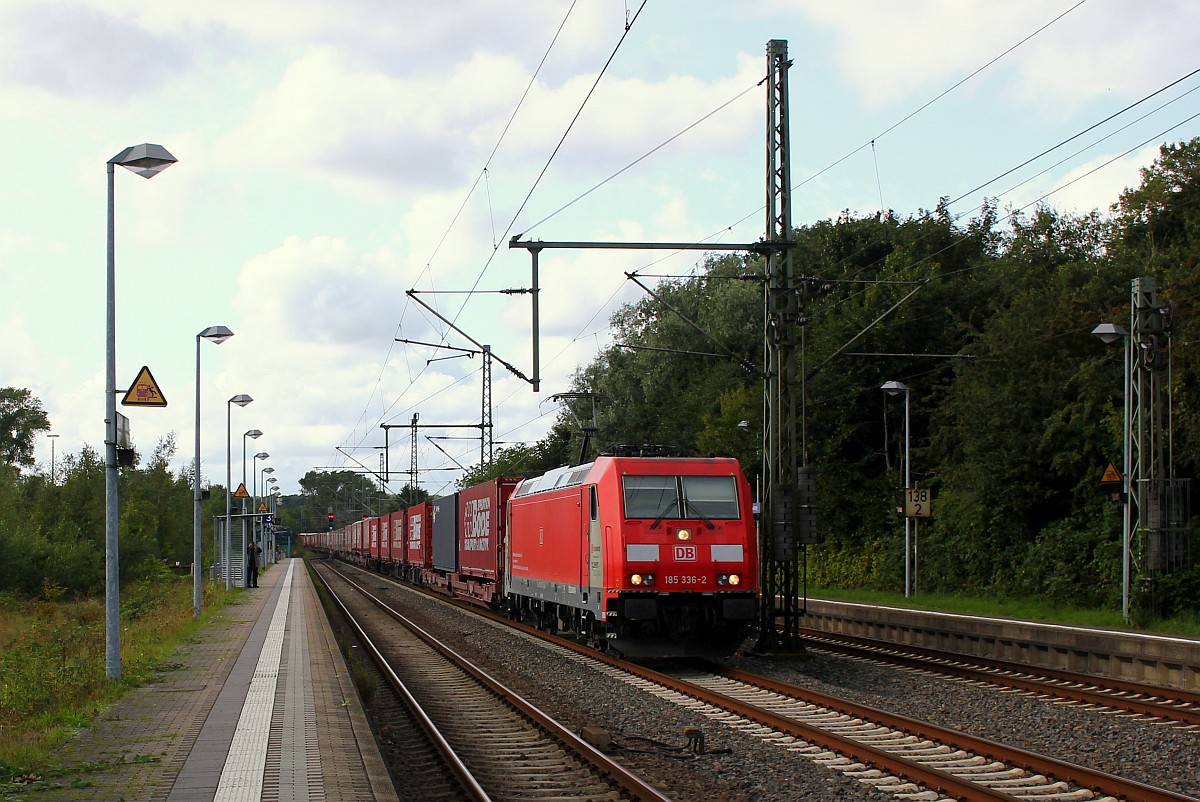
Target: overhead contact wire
{"points": [[557, 147], [481, 177], [640, 159]]}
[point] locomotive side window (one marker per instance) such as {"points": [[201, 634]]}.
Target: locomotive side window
{"points": [[649, 496], [710, 497]]}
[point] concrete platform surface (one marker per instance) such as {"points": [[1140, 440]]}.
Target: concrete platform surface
{"points": [[260, 707]]}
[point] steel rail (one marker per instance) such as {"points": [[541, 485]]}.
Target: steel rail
{"points": [[1175, 704], [911, 770], [915, 772], [475, 792], [629, 782], [1081, 775]]}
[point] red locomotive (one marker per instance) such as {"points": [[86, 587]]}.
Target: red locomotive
{"points": [[650, 556]]}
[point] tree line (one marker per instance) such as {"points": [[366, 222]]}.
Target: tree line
{"points": [[1015, 408]]}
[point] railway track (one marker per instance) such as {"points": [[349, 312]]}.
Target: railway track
{"points": [[494, 743], [900, 756], [1178, 707], [894, 754], [884, 749]]}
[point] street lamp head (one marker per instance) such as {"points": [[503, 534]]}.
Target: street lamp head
{"points": [[268, 470], [241, 399], [1109, 332], [215, 334], [253, 433], [146, 160], [894, 387], [261, 455]]}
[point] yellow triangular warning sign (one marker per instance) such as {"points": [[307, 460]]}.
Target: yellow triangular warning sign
{"points": [[241, 491], [1111, 475], [144, 392], [262, 507]]}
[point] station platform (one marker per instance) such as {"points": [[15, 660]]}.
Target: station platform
{"points": [[260, 707]]}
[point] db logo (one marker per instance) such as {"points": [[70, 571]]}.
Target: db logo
{"points": [[685, 554]]}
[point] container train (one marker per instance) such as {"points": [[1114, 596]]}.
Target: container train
{"points": [[646, 556]]}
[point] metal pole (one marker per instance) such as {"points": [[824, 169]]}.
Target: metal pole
{"points": [[254, 499], [112, 582], [196, 557], [536, 381], [226, 542], [1127, 470], [242, 555], [907, 520], [486, 445]]}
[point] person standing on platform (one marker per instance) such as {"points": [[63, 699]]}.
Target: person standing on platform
{"points": [[252, 552]]}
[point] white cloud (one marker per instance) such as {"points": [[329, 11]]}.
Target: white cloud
{"points": [[1098, 184], [898, 54], [72, 49], [331, 157]]}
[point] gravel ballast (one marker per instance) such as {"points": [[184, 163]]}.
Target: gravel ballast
{"points": [[648, 732]]}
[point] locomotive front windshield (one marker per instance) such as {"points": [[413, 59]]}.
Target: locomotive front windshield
{"points": [[703, 497]]}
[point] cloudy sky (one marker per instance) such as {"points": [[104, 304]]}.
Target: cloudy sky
{"points": [[333, 156]]}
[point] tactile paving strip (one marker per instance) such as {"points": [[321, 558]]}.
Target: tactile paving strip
{"points": [[242, 777]]}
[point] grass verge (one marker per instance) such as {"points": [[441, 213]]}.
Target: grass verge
{"points": [[52, 662]]}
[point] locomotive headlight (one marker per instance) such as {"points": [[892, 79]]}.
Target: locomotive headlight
{"points": [[635, 580], [683, 534], [734, 579], [729, 579], [638, 580]]}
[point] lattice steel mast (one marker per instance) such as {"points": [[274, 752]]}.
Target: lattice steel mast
{"points": [[787, 521]]}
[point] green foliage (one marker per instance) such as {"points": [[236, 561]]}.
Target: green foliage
{"points": [[21, 418], [53, 533], [518, 460], [1015, 408], [52, 651]]}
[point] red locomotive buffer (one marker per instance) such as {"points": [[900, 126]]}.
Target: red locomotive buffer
{"points": [[651, 556]]}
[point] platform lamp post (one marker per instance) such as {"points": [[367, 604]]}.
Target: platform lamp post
{"points": [[270, 490], [253, 434], [227, 542], [255, 473], [263, 477], [262, 482], [254, 527], [217, 335], [147, 161], [894, 388], [1109, 333]]}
